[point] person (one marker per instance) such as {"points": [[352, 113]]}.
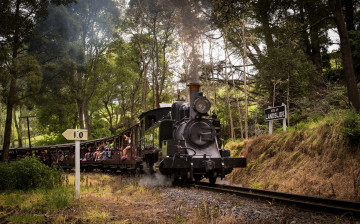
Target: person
{"points": [[42, 154], [96, 153], [127, 146], [60, 156], [88, 154], [109, 149]]}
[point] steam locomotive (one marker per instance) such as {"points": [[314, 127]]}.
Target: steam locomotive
{"points": [[185, 144], [179, 141]]}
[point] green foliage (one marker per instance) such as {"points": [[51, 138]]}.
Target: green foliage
{"points": [[28, 173], [5, 177], [50, 140], [351, 127]]}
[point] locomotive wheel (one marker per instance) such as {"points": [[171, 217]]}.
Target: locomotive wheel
{"points": [[212, 178]]}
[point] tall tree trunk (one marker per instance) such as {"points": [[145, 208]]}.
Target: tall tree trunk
{"points": [[227, 89], [212, 75], [153, 84], [144, 80], [237, 99], [304, 33], [312, 9], [315, 48], [245, 84], [352, 90], [18, 128], [87, 117], [349, 14], [157, 88], [81, 113], [13, 137], [12, 89], [206, 83], [164, 69], [264, 18], [1, 133], [240, 113]]}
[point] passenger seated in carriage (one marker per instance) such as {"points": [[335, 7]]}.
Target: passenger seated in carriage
{"points": [[43, 155], [127, 146], [96, 153], [60, 155], [108, 149], [88, 154], [103, 155]]}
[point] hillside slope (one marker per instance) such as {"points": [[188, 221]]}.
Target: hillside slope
{"points": [[319, 158]]}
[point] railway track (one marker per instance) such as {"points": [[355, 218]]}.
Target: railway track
{"points": [[339, 207]]}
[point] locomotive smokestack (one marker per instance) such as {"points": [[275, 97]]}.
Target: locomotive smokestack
{"points": [[194, 93]]}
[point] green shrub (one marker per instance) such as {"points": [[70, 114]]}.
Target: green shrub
{"points": [[5, 177], [28, 173], [351, 127]]}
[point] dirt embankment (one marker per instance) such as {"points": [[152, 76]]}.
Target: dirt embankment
{"points": [[313, 159]]}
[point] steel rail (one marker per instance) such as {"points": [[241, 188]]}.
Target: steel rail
{"points": [[310, 203]]}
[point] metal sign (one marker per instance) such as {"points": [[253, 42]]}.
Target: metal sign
{"points": [[275, 113], [76, 134]]}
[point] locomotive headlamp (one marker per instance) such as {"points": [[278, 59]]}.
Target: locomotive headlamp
{"points": [[202, 105]]}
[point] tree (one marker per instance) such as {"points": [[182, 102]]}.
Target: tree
{"points": [[349, 73], [18, 19], [97, 20], [120, 74], [76, 37]]}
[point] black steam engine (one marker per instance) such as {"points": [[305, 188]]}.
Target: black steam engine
{"points": [[185, 143]]}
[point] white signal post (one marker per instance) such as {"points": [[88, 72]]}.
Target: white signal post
{"points": [[77, 135]]}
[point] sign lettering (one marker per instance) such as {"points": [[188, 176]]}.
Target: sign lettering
{"points": [[76, 134], [275, 113]]}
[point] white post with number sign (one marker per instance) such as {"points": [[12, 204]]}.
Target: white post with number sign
{"points": [[77, 135]]}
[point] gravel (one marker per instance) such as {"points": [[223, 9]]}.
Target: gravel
{"points": [[241, 210]]}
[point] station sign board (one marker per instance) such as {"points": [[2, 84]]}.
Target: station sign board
{"points": [[275, 113]]}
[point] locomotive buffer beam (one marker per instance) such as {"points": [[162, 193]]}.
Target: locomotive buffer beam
{"points": [[225, 165]]}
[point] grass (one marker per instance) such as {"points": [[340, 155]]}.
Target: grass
{"points": [[316, 157], [26, 219], [104, 199]]}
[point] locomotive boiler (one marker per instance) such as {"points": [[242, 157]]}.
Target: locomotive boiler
{"points": [[183, 141]]}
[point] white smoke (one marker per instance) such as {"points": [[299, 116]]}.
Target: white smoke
{"points": [[155, 180], [226, 182]]}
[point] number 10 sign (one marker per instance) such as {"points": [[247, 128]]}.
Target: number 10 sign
{"points": [[76, 134]]}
